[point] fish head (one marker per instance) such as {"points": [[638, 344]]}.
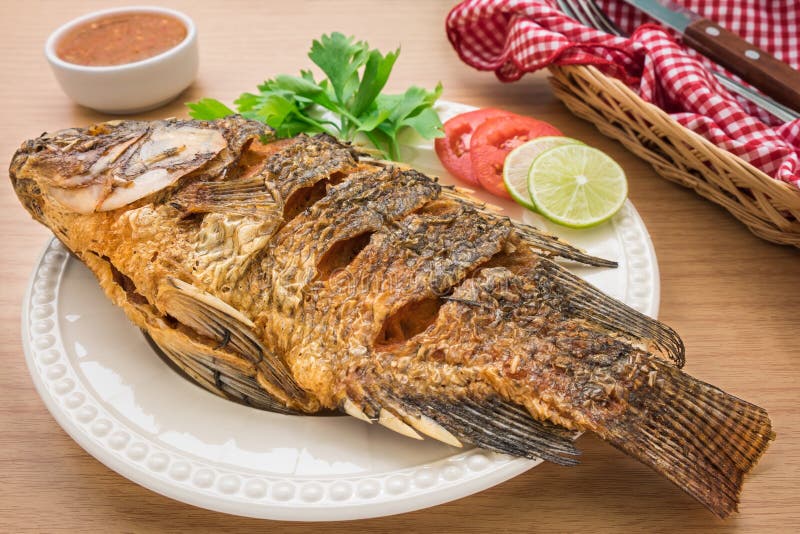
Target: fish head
{"points": [[112, 165]]}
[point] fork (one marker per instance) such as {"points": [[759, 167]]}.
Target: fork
{"points": [[589, 14]]}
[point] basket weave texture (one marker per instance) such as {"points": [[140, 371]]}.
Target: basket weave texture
{"points": [[769, 208]]}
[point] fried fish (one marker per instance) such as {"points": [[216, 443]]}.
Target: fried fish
{"points": [[299, 276]]}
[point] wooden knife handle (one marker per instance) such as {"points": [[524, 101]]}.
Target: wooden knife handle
{"points": [[772, 76]]}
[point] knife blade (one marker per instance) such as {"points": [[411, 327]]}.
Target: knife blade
{"points": [[757, 67]]}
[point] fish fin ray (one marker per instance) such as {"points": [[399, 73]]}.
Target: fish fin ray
{"points": [[543, 244], [241, 197], [212, 370], [215, 319], [495, 425], [551, 246], [589, 303], [696, 435]]}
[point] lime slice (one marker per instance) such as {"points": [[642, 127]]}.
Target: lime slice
{"points": [[518, 163], [577, 185]]}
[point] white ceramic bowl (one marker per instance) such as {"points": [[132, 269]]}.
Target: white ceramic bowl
{"points": [[131, 87]]}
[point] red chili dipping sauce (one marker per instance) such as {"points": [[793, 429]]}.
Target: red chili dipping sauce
{"points": [[120, 38]]}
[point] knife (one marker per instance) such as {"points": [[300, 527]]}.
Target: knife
{"points": [[762, 70]]}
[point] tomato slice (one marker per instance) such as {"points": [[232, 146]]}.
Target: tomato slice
{"points": [[453, 148], [494, 139]]}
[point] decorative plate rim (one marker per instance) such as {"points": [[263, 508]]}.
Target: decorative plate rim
{"points": [[178, 475]]}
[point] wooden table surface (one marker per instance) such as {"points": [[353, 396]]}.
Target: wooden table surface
{"points": [[734, 298]]}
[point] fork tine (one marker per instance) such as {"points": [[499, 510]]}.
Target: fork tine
{"points": [[584, 13], [606, 20], [764, 102], [598, 18], [566, 8], [574, 10]]}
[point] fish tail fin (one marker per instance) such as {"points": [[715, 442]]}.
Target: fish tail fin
{"points": [[699, 437]]}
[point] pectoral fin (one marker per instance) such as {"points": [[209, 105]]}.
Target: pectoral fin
{"points": [[217, 371], [230, 329], [242, 197]]}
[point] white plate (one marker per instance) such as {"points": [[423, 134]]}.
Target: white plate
{"points": [[120, 402]]}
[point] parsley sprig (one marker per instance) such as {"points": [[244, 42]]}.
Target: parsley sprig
{"points": [[351, 91]]}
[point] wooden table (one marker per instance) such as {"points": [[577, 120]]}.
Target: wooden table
{"points": [[734, 298]]}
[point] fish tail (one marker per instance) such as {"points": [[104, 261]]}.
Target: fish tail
{"points": [[699, 437]]}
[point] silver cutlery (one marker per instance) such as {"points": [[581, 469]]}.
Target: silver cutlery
{"points": [[589, 14]]}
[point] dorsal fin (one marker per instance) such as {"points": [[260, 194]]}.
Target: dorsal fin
{"points": [[543, 244], [583, 300], [552, 247]]}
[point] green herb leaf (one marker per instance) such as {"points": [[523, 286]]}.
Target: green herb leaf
{"points": [[246, 102], [410, 103], [339, 58], [208, 109], [371, 121], [304, 88], [426, 123], [376, 74], [274, 108], [351, 93], [297, 85]]}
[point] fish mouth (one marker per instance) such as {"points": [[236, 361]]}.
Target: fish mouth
{"points": [[27, 189], [17, 162]]}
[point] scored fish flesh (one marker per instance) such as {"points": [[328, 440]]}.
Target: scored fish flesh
{"points": [[300, 276]]}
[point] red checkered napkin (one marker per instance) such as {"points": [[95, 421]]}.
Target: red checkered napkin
{"points": [[512, 37]]}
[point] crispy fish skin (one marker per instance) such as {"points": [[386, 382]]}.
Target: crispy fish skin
{"points": [[298, 276]]}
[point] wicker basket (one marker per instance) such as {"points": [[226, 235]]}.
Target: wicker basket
{"points": [[768, 207]]}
